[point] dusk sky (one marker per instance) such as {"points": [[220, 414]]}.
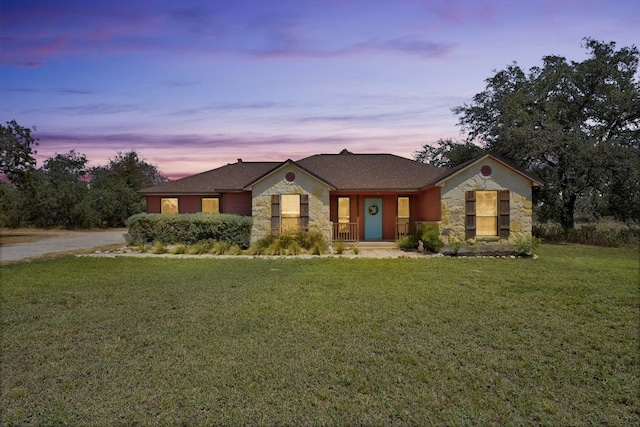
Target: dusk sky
{"points": [[193, 84]]}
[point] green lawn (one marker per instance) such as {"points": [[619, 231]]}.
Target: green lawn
{"points": [[553, 340]]}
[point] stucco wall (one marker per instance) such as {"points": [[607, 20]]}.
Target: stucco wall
{"points": [[277, 184], [452, 203]]}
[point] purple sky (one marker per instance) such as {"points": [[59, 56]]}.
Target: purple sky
{"points": [[195, 84]]}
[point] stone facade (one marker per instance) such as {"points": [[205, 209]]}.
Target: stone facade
{"points": [[277, 183], [452, 203]]}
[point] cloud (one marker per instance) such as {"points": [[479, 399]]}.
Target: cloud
{"points": [[101, 108], [39, 34], [180, 155]]}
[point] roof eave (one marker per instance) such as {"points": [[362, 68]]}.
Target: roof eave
{"points": [[441, 181]]}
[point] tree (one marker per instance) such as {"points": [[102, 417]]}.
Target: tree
{"points": [[114, 187], [16, 151], [574, 124], [62, 197], [447, 153]]}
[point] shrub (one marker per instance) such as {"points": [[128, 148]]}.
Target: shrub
{"points": [[287, 244], [158, 248], [587, 235], [179, 249], [201, 247], [338, 247], [428, 233], [308, 239], [293, 248], [526, 245], [408, 242], [219, 248], [430, 237], [190, 228]]}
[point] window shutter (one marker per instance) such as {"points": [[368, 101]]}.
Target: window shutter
{"points": [[470, 214], [275, 214], [504, 214], [304, 212]]}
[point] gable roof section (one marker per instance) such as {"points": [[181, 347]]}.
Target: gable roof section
{"points": [[450, 173], [282, 165], [371, 171], [229, 178]]}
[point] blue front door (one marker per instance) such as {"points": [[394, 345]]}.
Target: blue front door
{"points": [[373, 219]]}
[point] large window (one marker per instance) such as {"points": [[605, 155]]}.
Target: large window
{"points": [[210, 205], [486, 213], [290, 212], [403, 216], [344, 214], [169, 205]]}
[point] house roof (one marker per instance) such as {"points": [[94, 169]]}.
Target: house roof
{"points": [[450, 173], [231, 177], [284, 164], [348, 171], [344, 171]]}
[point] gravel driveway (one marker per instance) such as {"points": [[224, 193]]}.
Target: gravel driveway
{"points": [[64, 241]]}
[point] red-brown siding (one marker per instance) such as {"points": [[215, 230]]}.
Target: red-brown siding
{"points": [[190, 204], [153, 204], [429, 205], [233, 203], [237, 203]]}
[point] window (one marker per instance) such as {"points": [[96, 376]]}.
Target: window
{"points": [[403, 216], [290, 212], [169, 206], [210, 205], [486, 213], [344, 214]]}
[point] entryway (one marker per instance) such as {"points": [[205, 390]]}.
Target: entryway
{"points": [[373, 219]]}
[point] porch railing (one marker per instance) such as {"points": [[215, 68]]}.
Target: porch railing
{"points": [[403, 228], [345, 231]]}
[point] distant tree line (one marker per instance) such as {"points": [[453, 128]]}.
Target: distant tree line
{"points": [[64, 191], [576, 125]]}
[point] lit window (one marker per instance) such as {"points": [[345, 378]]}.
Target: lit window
{"points": [[487, 213], [169, 206], [344, 213], [403, 207], [403, 216], [290, 212], [211, 205]]}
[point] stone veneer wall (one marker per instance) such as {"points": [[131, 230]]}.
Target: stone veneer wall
{"points": [[452, 222], [277, 184]]}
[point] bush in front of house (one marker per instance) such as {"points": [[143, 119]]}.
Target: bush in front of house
{"points": [[312, 242], [190, 228], [428, 233]]}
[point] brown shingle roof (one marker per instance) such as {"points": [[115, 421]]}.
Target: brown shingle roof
{"points": [[231, 177], [371, 171], [343, 171]]}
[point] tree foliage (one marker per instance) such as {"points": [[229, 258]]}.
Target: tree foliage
{"points": [[574, 124], [66, 192], [115, 186], [16, 151], [447, 153]]}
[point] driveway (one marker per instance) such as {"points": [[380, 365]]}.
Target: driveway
{"points": [[38, 244]]}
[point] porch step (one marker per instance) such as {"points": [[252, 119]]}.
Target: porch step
{"points": [[375, 245]]}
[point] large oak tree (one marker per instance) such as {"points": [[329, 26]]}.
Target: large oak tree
{"points": [[574, 124]]}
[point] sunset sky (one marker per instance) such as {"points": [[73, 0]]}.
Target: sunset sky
{"points": [[193, 84]]}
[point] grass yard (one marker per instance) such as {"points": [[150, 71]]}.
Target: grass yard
{"points": [[132, 341]]}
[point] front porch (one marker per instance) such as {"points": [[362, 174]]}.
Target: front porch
{"points": [[350, 231]]}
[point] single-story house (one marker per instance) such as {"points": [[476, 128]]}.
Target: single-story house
{"points": [[361, 197]]}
